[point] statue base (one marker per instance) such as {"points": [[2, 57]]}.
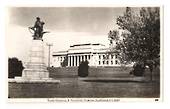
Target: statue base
{"points": [[35, 71]]}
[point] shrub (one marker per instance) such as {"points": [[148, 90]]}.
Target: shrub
{"points": [[65, 62], [15, 67], [83, 69], [138, 69]]}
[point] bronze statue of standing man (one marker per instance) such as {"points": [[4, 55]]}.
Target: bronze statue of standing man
{"points": [[38, 29]]}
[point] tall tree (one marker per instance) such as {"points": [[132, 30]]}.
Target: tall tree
{"points": [[140, 41], [65, 62]]}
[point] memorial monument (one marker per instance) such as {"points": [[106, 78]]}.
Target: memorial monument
{"points": [[35, 70]]}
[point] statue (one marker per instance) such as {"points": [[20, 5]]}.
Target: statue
{"points": [[38, 29]]}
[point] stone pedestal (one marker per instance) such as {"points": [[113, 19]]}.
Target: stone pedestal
{"points": [[35, 70]]}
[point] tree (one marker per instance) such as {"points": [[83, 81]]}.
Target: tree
{"points": [[65, 62], [15, 67], [140, 41], [83, 69]]}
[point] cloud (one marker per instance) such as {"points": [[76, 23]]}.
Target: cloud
{"points": [[76, 19]]}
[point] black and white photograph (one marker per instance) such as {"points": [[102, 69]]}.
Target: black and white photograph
{"points": [[84, 53]]}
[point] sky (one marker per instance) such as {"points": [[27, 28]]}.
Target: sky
{"points": [[67, 26]]}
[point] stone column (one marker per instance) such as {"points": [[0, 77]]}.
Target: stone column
{"points": [[77, 60], [89, 59], [68, 61], [80, 59], [74, 60], [114, 59], [71, 59], [84, 58], [110, 58]]}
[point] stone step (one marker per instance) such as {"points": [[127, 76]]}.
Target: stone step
{"points": [[33, 80]]}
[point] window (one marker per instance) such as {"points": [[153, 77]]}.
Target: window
{"points": [[61, 58], [99, 62], [99, 57], [107, 57], [107, 62], [103, 62], [89, 57], [116, 56], [112, 56], [116, 62], [112, 62], [103, 56]]}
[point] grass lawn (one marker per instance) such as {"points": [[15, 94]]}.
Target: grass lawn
{"points": [[72, 86]]}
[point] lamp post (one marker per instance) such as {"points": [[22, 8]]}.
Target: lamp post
{"points": [[49, 50]]}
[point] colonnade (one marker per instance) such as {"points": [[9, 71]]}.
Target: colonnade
{"points": [[75, 60]]}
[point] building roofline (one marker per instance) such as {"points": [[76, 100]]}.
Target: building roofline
{"points": [[61, 51], [86, 44]]}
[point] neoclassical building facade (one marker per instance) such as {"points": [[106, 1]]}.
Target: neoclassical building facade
{"points": [[96, 54]]}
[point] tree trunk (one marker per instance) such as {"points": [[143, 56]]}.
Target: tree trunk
{"points": [[151, 76]]}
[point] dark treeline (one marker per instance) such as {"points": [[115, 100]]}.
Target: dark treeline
{"points": [[15, 67]]}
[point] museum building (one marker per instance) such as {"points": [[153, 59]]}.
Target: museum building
{"points": [[96, 54]]}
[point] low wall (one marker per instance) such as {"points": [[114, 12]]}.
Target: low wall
{"points": [[109, 71], [56, 72]]}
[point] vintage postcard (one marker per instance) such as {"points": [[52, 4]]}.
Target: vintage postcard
{"points": [[84, 54]]}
